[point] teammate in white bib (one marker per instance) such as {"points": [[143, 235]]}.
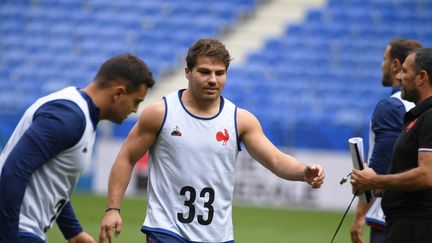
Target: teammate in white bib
{"points": [[193, 139], [52, 145]]}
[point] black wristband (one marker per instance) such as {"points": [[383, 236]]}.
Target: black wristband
{"points": [[110, 209]]}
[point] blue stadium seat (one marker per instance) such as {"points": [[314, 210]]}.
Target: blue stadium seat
{"points": [[77, 29], [311, 82], [326, 71]]}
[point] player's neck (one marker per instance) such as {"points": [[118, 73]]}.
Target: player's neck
{"points": [[200, 107], [100, 98]]}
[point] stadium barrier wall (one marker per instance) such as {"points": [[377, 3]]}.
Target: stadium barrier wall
{"points": [[255, 185]]}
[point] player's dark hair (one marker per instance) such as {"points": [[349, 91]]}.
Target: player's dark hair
{"points": [[210, 48], [124, 68], [423, 61], [400, 48]]}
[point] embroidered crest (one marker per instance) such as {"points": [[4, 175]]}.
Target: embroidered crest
{"points": [[220, 136]]}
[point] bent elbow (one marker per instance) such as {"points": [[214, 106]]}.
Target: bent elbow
{"points": [[426, 180]]}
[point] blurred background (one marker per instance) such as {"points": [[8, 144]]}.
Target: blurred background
{"points": [[310, 70]]}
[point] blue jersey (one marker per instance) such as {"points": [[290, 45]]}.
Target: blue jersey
{"points": [[386, 125], [42, 162]]}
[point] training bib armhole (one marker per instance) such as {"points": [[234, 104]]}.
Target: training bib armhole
{"points": [[236, 130], [165, 116]]}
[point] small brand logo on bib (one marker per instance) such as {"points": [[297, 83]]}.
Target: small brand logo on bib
{"points": [[85, 148], [176, 132]]}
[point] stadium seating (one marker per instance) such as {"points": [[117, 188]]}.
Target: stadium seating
{"points": [[48, 44], [317, 85], [313, 87]]}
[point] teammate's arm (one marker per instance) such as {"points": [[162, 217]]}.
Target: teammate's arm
{"points": [[82, 237], [68, 222], [359, 222], [262, 150], [56, 126], [139, 140]]}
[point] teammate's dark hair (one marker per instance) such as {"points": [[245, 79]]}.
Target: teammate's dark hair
{"points": [[400, 48], [210, 48], [124, 68], [423, 61]]}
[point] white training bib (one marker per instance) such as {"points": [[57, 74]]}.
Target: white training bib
{"points": [[50, 186], [192, 172]]}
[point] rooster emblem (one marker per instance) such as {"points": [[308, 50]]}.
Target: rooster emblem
{"points": [[220, 136]]}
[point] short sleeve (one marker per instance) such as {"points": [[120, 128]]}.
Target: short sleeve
{"points": [[425, 131]]}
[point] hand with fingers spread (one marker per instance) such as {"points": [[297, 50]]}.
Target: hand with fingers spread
{"points": [[314, 175], [112, 222]]}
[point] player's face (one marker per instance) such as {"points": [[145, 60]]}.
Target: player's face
{"points": [[387, 78], [126, 103], [408, 78], [207, 79]]}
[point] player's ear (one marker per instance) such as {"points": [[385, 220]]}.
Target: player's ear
{"points": [[422, 77], [118, 92], [395, 66], [187, 73]]}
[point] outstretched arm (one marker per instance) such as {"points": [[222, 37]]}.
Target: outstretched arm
{"points": [[139, 140], [262, 150]]}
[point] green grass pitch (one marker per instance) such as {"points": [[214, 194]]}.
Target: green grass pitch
{"points": [[251, 224]]}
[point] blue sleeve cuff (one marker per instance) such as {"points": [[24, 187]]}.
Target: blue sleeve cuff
{"points": [[68, 222]]}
